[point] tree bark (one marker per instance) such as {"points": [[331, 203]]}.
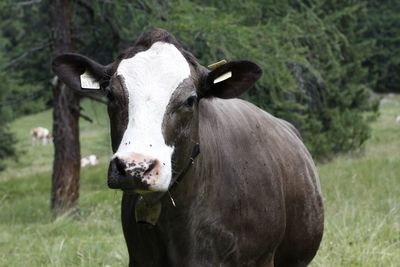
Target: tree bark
{"points": [[66, 165]]}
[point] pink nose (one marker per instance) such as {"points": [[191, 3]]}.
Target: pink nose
{"points": [[135, 171]]}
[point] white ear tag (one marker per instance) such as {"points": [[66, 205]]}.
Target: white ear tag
{"points": [[223, 77], [89, 82]]}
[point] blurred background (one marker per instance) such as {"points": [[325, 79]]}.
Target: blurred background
{"points": [[331, 68]]}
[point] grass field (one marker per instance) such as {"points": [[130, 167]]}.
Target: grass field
{"points": [[361, 192]]}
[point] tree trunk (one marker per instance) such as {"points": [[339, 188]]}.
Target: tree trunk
{"points": [[66, 166]]}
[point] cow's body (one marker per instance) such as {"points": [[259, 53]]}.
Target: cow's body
{"points": [[40, 135], [224, 213], [252, 196]]}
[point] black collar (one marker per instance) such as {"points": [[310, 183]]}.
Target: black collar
{"points": [[149, 211], [195, 153]]}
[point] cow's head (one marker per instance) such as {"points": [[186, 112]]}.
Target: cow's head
{"points": [[153, 92]]}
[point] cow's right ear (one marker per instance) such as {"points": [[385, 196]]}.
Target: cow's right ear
{"points": [[81, 73], [230, 80]]}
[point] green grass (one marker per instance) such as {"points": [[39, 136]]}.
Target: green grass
{"points": [[362, 200], [29, 235], [361, 192]]}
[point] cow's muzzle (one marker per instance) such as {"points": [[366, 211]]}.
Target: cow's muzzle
{"points": [[134, 173]]}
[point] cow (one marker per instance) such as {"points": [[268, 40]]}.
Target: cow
{"points": [[90, 160], [207, 179], [398, 119], [41, 135]]}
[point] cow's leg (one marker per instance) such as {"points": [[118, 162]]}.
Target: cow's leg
{"points": [[213, 246], [293, 264], [266, 260], [302, 237], [268, 264], [297, 251], [219, 248]]}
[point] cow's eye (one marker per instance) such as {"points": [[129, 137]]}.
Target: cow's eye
{"points": [[190, 101]]}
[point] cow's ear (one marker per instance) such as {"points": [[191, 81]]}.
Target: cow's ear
{"points": [[231, 79], [81, 73]]}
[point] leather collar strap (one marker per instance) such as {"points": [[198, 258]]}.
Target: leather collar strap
{"points": [[195, 153], [148, 211]]}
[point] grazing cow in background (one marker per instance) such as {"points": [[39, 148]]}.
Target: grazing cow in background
{"points": [[398, 119], [90, 160], [41, 135], [207, 179]]}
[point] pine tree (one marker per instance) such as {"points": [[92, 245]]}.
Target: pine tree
{"points": [[382, 25], [7, 140], [318, 56]]}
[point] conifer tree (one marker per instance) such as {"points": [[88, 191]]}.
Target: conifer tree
{"points": [[320, 58], [382, 25]]}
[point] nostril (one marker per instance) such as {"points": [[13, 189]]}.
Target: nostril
{"points": [[120, 165], [115, 172], [151, 164]]}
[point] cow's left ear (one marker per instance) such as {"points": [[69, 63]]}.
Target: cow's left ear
{"points": [[81, 73], [231, 79]]}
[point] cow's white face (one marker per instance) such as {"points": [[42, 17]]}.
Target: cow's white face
{"points": [[150, 78]]}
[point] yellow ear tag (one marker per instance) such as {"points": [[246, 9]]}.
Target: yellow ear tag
{"points": [[217, 64], [89, 82]]}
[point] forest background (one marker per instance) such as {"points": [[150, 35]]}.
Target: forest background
{"points": [[322, 59]]}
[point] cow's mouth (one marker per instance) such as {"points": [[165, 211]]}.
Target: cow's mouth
{"points": [[128, 184]]}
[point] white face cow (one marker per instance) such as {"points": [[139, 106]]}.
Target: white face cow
{"points": [[150, 81], [252, 168], [153, 90]]}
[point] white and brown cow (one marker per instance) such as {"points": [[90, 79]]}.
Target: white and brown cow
{"points": [[250, 198], [90, 160], [41, 135]]}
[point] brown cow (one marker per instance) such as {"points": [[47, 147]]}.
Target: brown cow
{"points": [[250, 198]]}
